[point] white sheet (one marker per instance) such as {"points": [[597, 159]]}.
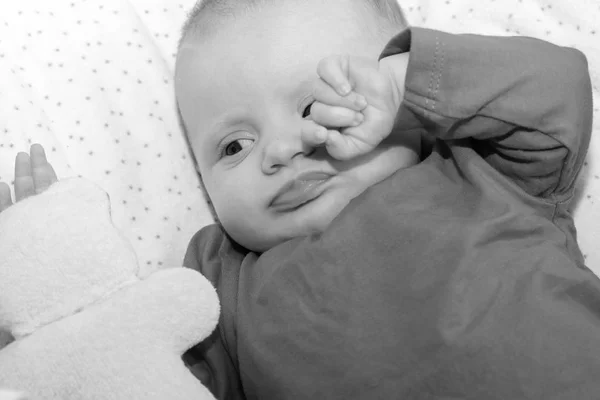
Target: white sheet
{"points": [[92, 82]]}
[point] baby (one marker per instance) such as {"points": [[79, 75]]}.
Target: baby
{"points": [[392, 205], [246, 87]]}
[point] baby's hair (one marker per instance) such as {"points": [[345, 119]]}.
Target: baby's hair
{"points": [[388, 12]]}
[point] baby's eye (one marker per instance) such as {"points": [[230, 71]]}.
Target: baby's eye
{"points": [[235, 147], [306, 111]]}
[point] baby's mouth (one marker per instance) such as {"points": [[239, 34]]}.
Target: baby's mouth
{"points": [[303, 189]]}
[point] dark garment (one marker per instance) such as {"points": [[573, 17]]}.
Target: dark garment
{"points": [[457, 278]]}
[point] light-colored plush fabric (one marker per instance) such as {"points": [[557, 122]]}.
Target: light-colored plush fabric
{"points": [[11, 395], [86, 326]]}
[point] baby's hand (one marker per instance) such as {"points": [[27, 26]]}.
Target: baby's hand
{"points": [[32, 176], [355, 106]]}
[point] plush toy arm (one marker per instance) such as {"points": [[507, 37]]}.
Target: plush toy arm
{"points": [[174, 307], [10, 395], [128, 346], [59, 252]]}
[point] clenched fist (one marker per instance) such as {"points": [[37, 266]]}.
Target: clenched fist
{"points": [[356, 101]]}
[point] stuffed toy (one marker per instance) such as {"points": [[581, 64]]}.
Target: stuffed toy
{"points": [[85, 325]]}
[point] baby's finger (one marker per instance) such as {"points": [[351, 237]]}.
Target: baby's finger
{"points": [[314, 135], [324, 93], [334, 71], [342, 147], [23, 179], [334, 117], [42, 171], [5, 199]]}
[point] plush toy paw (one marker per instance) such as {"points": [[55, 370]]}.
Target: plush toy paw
{"points": [[85, 325], [10, 395]]}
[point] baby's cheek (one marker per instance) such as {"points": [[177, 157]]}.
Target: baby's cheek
{"points": [[244, 225]]}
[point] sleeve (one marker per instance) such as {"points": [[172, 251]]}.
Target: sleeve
{"points": [[526, 104], [214, 361]]}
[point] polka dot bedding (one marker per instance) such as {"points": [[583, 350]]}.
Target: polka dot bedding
{"points": [[92, 81]]}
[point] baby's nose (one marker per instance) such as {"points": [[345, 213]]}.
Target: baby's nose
{"points": [[281, 151]]}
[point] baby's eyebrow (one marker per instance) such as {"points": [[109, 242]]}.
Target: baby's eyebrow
{"points": [[226, 120], [214, 132]]}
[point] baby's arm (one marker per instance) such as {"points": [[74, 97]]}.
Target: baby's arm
{"points": [[33, 175], [526, 103]]}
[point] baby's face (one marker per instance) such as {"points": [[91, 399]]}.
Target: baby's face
{"points": [[242, 95]]}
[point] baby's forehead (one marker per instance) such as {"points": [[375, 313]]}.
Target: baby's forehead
{"points": [[210, 18], [373, 17]]}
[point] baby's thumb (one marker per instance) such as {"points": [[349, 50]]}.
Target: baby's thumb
{"points": [[344, 146]]}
